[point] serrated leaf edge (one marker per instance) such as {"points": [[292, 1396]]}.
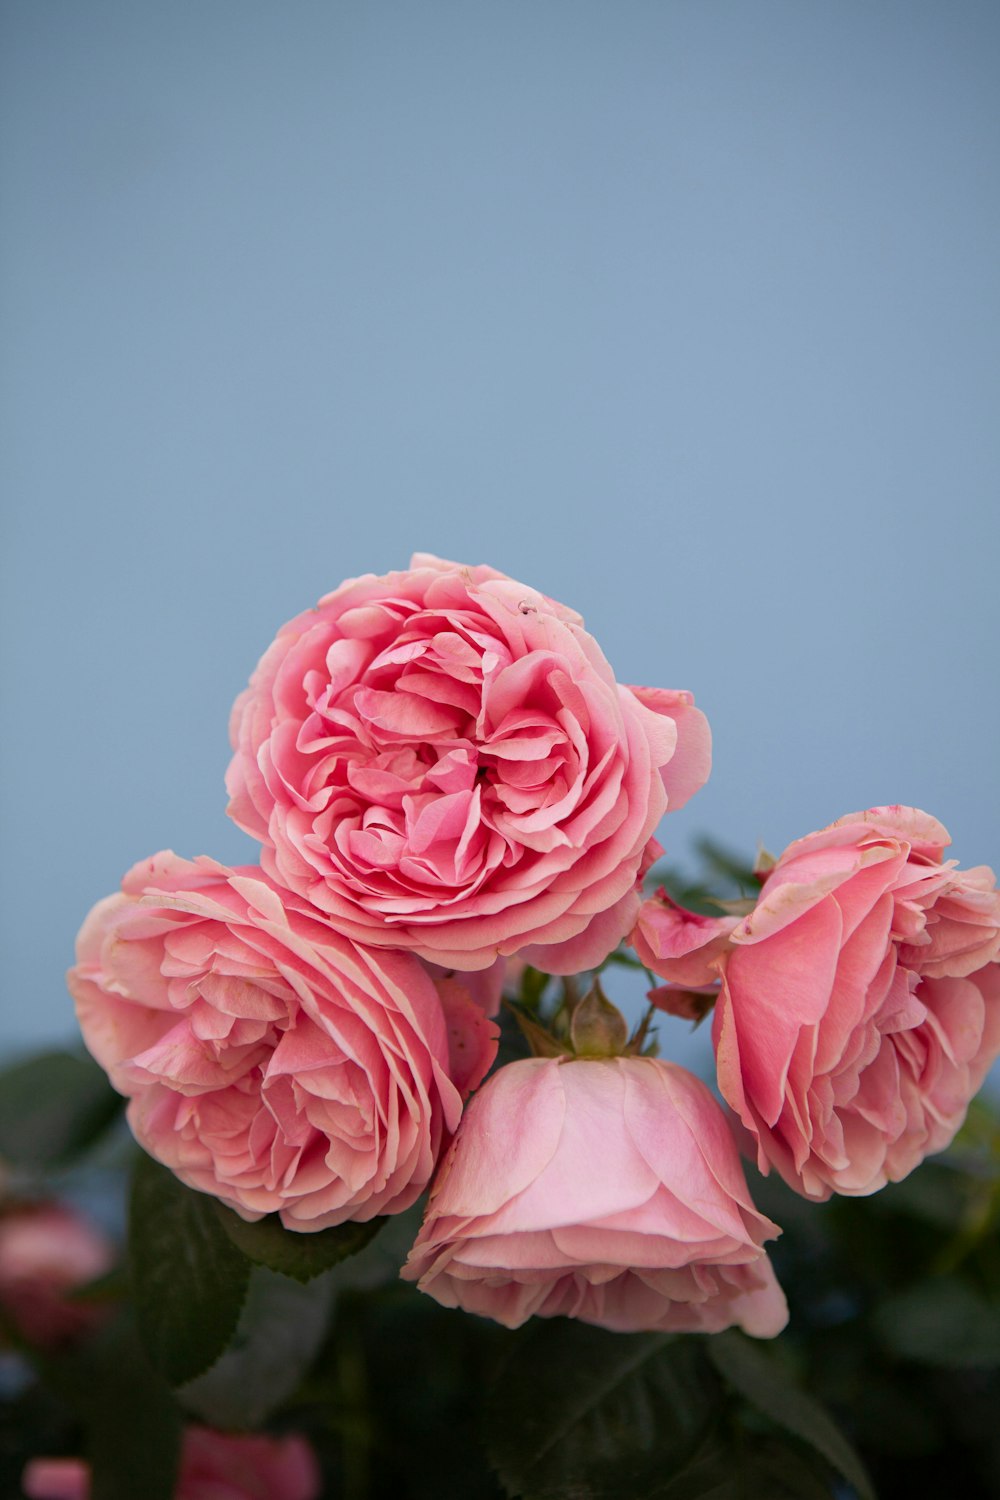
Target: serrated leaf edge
{"points": [[175, 1381], [225, 1216]]}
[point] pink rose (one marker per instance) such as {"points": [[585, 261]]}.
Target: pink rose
{"points": [[860, 1002], [46, 1251], [680, 945], [214, 1466], [442, 760], [608, 1190], [269, 1060]]}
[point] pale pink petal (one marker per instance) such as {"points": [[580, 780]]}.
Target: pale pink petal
{"points": [[606, 1190]]}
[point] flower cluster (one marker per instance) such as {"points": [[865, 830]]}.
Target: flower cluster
{"points": [[448, 784]]}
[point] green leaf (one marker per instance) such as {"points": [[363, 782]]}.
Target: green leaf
{"points": [[582, 1414], [711, 1473], [52, 1107], [279, 1334], [779, 1471], [941, 1321], [188, 1278], [302, 1256], [762, 1382], [751, 1468]]}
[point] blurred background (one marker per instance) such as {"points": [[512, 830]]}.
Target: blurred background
{"points": [[685, 313]]}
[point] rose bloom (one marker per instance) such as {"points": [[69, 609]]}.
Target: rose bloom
{"points": [[442, 760], [608, 1190], [47, 1250], [214, 1466], [269, 1060], [859, 1008]]}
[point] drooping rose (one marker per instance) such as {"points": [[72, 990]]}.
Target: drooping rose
{"points": [[860, 1002], [47, 1251], [269, 1060], [214, 1466], [442, 760], [608, 1190]]}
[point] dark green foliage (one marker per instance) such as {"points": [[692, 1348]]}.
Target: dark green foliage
{"points": [[942, 1321], [279, 1333], [188, 1278], [580, 1412], [52, 1108], [132, 1423], [760, 1380], [894, 1304], [302, 1256], [397, 1396], [127, 1422]]}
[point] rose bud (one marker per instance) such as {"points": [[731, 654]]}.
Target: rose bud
{"points": [[860, 1002], [605, 1189], [270, 1060], [442, 761]]}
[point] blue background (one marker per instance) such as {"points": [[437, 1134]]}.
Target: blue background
{"points": [[686, 313]]}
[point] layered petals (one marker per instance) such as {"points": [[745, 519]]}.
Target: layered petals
{"points": [[860, 1002], [269, 1060], [608, 1190], [442, 761], [681, 946]]}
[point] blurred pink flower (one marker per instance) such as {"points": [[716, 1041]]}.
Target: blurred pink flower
{"points": [[224, 1466], [214, 1466], [56, 1479], [47, 1250], [270, 1060], [442, 761], [860, 1002], [608, 1190]]}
